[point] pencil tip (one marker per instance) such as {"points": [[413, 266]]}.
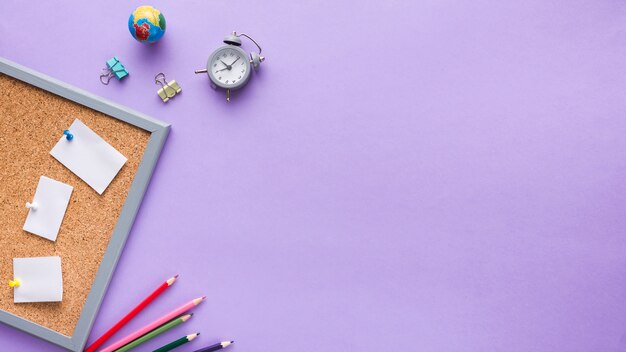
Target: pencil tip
{"points": [[171, 280], [197, 334], [191, 314], [232, 342], [198, 300]]}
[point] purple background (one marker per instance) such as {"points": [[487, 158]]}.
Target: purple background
{"points": [[400, 175]]}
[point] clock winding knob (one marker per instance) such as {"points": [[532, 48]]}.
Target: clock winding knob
{"points": [[256, 59]]}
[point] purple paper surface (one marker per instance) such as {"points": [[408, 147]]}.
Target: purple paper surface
{"points": [[399, 175]]}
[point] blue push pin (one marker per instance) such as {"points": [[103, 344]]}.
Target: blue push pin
{"points": [[68, 135]]}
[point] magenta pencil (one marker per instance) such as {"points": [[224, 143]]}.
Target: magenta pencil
{"points": [[155, 324]]}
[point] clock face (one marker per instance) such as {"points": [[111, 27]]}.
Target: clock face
{"points": [[229, 67]]}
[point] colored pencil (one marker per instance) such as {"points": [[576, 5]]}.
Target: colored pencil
{"points": [[143, 304], [216, 347], [155, 324], [154, 333], [172, 345]]}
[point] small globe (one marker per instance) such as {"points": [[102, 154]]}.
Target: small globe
{"points": [[146, 24]]}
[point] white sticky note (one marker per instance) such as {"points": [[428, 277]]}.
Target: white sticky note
{"points": [[88, 156], [40, 279], [51, 200]]}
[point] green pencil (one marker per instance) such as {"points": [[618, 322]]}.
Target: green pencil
{"points": [[161, 329], [172, 345]]}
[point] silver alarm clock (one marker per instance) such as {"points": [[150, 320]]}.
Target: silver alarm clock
{"points": [[229, 66]]}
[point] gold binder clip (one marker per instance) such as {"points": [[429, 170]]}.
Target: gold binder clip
{"points": [[168, 89]]}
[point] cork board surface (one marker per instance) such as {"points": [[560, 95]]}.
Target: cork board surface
{"points": [[31, 122]]}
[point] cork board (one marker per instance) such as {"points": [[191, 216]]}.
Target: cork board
{"points": [[33, 119], [36, 122]]}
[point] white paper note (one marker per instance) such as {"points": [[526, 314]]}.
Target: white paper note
{"points": [[51, 199], [88, 156], [40, 279]]}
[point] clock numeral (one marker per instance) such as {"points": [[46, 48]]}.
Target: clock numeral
{"points": [[214, 65], [242, 62], [220, 78], [232, 54], [242, 71], [233, 81], [226, 81], [239, 77]]}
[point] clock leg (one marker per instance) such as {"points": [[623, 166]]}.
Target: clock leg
{"points": [[227, 95], [204, 70]]}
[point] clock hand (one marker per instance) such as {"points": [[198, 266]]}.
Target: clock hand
{"points": [[238, 57], [227, 65]]}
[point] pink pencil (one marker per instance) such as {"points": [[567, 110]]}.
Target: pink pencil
{"points": [[155, 324]]}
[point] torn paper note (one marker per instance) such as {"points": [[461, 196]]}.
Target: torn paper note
{"points": [[40, 279], [48, 208], [88, 156]]}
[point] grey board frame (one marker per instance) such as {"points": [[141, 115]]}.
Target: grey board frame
{"points": [[159, 131]]}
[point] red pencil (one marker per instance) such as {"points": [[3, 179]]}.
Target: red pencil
{"points": [[143, 304]]}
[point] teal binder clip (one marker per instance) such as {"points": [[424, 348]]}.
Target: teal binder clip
{"points": [[114, 69]]}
